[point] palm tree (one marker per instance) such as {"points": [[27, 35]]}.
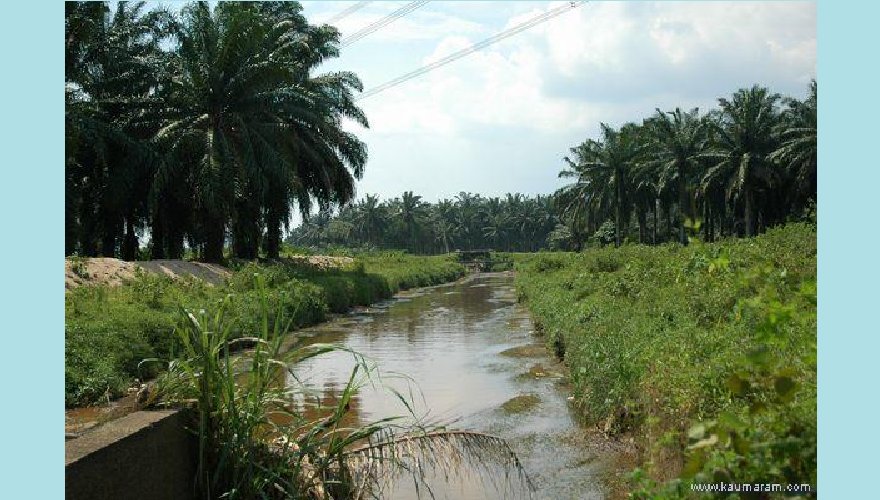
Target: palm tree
{"points": [[678, 139], [442, 215], [496, 227], [607, 163], [370, 218], [467, 218], [745, 135], [583, 202], [259, 131], [112, 67], [797, 153], [411, 215]]}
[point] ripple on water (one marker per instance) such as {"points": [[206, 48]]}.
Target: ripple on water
{"points": [[463, 350]]}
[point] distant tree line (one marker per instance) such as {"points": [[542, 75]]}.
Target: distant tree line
{"points": [[468, 221], [202, 128], [733, 171]]}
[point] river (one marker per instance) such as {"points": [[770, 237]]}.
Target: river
{"points": [[471, 351]]}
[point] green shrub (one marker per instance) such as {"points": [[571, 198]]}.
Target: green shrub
{"points": [[653, 335]]}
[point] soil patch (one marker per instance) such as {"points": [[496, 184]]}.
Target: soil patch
{"points": [[79, 271]]}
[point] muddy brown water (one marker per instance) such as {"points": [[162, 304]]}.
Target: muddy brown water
{"points": [[472, 361]]}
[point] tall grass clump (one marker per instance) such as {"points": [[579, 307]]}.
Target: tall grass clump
{"points": [[255, 440], [705, 354]]}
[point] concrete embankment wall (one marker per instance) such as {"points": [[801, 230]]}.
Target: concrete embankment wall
{"points": [[142, 456]]}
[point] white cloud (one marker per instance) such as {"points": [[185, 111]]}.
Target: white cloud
{"points": [[567, 71], [604, 61]]}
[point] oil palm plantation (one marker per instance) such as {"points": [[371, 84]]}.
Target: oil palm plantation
{"points": [[582, 202], [678, 139], [252, 124], [411, 216], [113, 63], [797, 153], [609, 162], [746, 136], [370, 218]]}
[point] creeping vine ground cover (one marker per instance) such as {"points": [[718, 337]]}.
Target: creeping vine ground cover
{"points": [[705, 354]]}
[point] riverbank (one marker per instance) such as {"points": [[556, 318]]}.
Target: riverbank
{"points": [[705, 355], [110, 329]]}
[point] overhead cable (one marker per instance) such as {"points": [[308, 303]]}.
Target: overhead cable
{"points": [[473, 48], [346, 12], [381, 23]]}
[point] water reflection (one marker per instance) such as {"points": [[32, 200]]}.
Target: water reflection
{"points": [[442, 347]]}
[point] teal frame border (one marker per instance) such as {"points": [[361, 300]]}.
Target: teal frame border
{"points": [[847, 249], [32, 248]]}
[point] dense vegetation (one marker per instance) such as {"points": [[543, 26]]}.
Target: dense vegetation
{"points": [[201, 126], [748, 165], [706, 354], [110, 330], [734, 171], [514, 223], [204, 128]]}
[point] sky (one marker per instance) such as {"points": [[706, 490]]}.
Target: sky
{"points": [[500, 120]]}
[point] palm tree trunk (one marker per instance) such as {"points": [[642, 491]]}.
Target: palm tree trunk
{"points": [[215, 236], [174, 240], [643, 222], [706, 221], [130, 242], [108, 242], [682, 203], [70, 218], [711, 222], [157, 237], [273, 240], [656, 220], [749, 215], [618, 212]]}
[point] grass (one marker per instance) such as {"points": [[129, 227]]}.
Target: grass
{"points": [[255, 442], [110, 330], [705, 354]]}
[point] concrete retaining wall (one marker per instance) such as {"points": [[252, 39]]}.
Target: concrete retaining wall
{"points": [[145, 455]]}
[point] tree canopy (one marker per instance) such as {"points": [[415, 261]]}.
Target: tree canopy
{"points": [[202, 126]]}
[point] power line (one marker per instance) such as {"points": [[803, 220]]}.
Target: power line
{"points": [[346, 12], [381, 23], [473, 48]]}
